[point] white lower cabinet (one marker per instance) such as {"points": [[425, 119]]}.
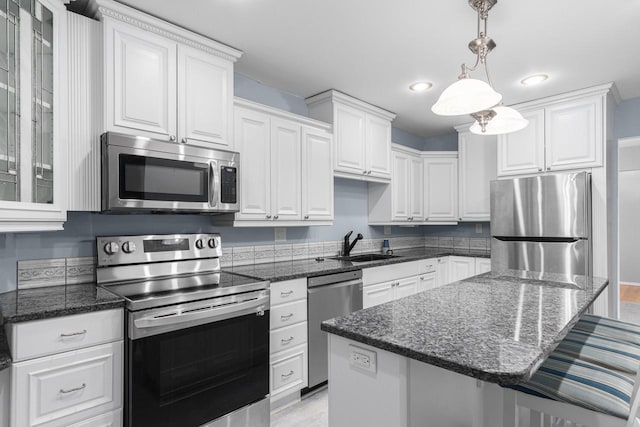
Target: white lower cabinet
{"points": [[69, 387], [377, 294], [442, 271], [288, 339], [461, 267], [388, 283], [67, 371], [427, 281]]}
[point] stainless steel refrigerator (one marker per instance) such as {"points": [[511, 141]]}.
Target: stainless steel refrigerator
{"points": [[542, 224]]}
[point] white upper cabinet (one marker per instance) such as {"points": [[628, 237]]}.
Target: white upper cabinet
{"points": [[165, 82], [317, 175], [33, 116], [141, 83], [286, 146], [286, 177], [362, 135], [477, 168], [441, 187], [402, 200], [565, 132], [205, 98], [523, 151]]}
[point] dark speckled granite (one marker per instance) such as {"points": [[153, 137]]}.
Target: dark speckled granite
{"points": [[55, 301], [277, 271], [497, 327]]}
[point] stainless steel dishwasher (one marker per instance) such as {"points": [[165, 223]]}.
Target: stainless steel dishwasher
{"points": [[329, 296]]}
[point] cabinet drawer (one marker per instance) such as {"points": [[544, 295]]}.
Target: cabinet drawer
{"points": [[288, 291], [386, 273], [288, 314], [110, 419], [69, 387], [49, 336], [290, 336], [288, 370], [428, 265]]}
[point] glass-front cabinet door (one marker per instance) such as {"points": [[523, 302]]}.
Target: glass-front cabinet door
{"points": [[32, 141]]}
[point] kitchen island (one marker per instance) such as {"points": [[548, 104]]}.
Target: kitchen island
{"points": [[439, 358]]}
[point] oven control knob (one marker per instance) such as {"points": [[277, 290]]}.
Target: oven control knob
{"points": [[212, 243], [111, 248], [128, 247], [200, 244]]}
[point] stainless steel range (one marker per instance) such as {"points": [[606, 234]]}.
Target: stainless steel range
{"points": [[197, 349]]}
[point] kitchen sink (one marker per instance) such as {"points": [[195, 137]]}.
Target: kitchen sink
{"points": [[364, 257]]}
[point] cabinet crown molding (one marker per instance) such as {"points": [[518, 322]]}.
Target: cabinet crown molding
{"points": [[262, 108], [422, 153], [337, 96], [131, 16]]}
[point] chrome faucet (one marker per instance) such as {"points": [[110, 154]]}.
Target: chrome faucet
{"points": [[346, 247]]}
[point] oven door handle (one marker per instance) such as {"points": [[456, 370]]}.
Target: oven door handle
{"points": [[214, 184], [212, 314]]}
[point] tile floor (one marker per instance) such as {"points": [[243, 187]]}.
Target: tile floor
{"points": [[311, 411]]}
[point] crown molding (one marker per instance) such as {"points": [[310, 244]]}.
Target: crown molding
{"points": [[128, 15], [303, 120], [337, 96]]}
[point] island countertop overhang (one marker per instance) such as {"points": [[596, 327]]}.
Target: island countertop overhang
{"points": [[497, 327]]}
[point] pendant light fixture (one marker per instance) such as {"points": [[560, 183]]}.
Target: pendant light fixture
{"points": [[476, 97]]}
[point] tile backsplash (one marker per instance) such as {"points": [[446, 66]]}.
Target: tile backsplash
{"points": [[67, 271]]}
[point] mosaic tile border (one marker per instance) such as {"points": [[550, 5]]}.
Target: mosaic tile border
{"points": [[39, 273]]}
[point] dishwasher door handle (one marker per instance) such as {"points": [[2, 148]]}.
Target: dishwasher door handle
{"points": [[320, 288]]}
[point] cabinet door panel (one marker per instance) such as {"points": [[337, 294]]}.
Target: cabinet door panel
{"points": [[416, 186], [377, 294], [574, 134], [252, 141], [441, 189], [483, 265], [523, 151], [378, 150], [317, 179], [205, 88], [461, 267], [141, 93], [285, 170], [442, 271], [427, 281], [400, 190], [406, 287], [350, 139], [477, 169]]}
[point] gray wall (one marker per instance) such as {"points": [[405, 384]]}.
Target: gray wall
{"points": [[626, 122], [629, 212]]}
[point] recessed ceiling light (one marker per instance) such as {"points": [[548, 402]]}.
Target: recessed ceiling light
{"points": [[534, 80], [420, 86]]}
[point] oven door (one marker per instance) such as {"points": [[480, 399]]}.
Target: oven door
{"points": [[153, 180], [191, 364]]}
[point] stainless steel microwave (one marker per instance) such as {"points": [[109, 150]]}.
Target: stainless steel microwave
{"points": [[142, 174]]}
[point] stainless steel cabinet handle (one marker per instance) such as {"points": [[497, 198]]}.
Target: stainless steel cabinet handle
{"points": [[71, 390], [183, 140], [422, 278], [285, 341], [369, 173], [364, 172], [539, 169], [172, 138], [549, 168], [73, 334], [306, 217], [268, 216], [286, 316], [275, 217], [285, 376], [286, 294]]}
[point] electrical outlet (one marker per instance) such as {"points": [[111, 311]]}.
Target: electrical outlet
{"points": [[362, 358], [387, 230], [479, 228], [280, 234]]}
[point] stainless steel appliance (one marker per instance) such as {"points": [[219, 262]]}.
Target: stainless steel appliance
{"points": [[542, 224], [197, 348], [141, 174], [329, 296]]}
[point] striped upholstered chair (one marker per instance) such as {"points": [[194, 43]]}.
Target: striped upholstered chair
{"points": [[591, 378]]}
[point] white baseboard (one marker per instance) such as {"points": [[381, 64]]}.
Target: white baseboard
{"points": [[622, 282]]}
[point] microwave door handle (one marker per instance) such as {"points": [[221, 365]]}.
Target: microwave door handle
{"points": [[214, 184]]}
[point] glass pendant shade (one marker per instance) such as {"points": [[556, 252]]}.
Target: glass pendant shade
{"points": [[466, 96], [507, 120]]}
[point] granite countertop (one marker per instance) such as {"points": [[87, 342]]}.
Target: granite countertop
{"points": [[278, 271], [42, 303], [497, 327]]}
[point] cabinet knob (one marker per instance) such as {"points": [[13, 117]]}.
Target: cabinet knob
{"points": [[369, 173], [268, 216], [306, 217], [549, 168], [172, 138], [539, 169], [275, 217], [183, 140], [364, 172]]}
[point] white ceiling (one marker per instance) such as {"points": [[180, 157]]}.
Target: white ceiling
{"points": [[373, 49]]}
